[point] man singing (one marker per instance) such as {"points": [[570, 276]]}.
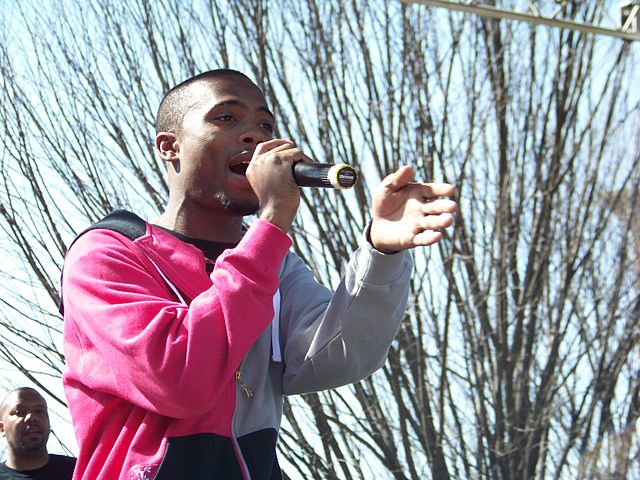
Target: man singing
{"points": [[183, 333]]}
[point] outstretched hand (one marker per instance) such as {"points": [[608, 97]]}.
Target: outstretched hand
{"points": [[408, 214]]}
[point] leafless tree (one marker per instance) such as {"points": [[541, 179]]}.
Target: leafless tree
{"points": [[518, 357]]}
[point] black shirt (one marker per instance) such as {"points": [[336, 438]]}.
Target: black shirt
{"points": [[210, 249], [58, 467]]}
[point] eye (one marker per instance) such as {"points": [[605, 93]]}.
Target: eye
{"points": [[225, 117], [267, 126]]}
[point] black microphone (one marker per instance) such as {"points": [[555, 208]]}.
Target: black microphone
{"points": [[326, 175]]}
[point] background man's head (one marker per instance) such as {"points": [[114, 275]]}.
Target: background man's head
{"points": [[24, 422]]}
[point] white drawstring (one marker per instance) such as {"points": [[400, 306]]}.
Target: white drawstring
{"points": [[276, 355], [171, 285]]}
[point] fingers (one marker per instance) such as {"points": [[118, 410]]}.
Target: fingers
{"points": [[435, 215], [436, 222], [274, 145], [403, 177], [398, 179], [440, 205], [429, 229], [427, 238], [286, 149], [432, 190]]}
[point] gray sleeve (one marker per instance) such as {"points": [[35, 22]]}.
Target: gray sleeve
{"points": [[331, 340]]}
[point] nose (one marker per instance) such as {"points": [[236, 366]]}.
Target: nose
{"points": [[253, 136]]}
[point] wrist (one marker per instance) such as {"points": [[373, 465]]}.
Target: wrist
{"points": [[372, 243], [277, 218]]}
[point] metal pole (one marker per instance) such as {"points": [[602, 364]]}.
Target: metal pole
{"points": [[495, 12]]}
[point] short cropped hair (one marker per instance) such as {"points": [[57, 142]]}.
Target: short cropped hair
{"points": [[16, 390], [173, 106]]}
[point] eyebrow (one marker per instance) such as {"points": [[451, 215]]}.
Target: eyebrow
{"points": [[239, 103]]}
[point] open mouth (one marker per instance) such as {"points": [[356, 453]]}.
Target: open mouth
{"points": [[239, 168], [240, 162]]}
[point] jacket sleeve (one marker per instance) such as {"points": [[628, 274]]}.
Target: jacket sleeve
{"points": [[335, 339], [125, 335]]}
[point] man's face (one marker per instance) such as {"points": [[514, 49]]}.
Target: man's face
{"points": [[25, 422], [227, 118]]}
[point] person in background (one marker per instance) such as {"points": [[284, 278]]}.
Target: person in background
{"points": [[24, 423]]}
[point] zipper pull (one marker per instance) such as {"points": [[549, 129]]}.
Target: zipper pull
{"points": [[247, 390]]}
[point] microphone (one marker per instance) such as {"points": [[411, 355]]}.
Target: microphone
{"points": [[326, 175]]}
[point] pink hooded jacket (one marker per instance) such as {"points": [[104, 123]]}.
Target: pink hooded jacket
{"points": [[144, 367]]}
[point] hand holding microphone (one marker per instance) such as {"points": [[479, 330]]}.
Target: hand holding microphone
{"points": [[276, 172], [308, 173]]}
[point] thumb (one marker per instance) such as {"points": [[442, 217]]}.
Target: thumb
{"points": [[398, 179]]}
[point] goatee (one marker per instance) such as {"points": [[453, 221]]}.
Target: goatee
{"points": [[234, 206]]}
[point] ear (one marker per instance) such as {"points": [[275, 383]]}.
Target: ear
{"points": [[167, 146], [2, 429]]}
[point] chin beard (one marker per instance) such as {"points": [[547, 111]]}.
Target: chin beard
{"points": [[27, 448], [234, 206]]}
